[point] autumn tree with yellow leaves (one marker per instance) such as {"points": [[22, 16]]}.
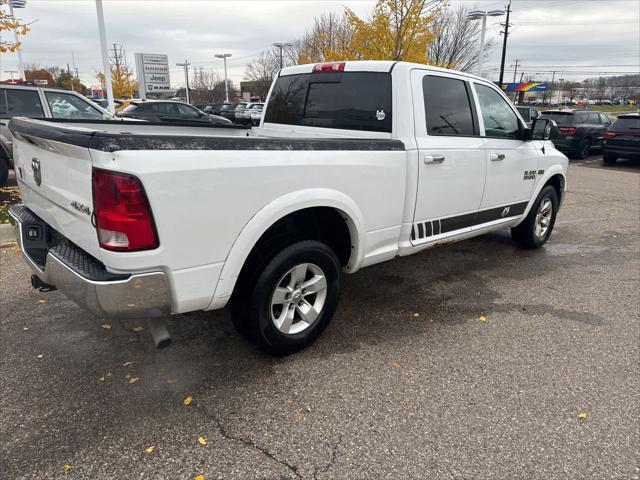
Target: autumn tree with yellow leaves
{"points": [[124, 86], [9, 23]]}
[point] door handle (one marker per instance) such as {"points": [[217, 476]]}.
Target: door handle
{"points": [[497, 157], [431, 159]]}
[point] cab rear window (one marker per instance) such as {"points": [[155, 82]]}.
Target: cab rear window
{"points": [[344, 100]]}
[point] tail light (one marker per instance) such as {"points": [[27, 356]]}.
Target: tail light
{"points": [[568, 130], [122, 214], [609, 135], [329, 67]]}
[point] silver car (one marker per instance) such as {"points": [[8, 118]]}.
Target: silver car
{"points": [[243, 114]]}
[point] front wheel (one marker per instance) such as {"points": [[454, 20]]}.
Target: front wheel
{"points": [[536, 228], [292, 300]]}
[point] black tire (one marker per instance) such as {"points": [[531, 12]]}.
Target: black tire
{"points": [[584, 149], [609, 158], [4, 172], [251, 306], [525, 233]]}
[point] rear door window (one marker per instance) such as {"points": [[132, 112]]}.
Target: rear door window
{"points": [[24, 103], [499, 119], [447, 107], [594, 119], [345, 100]]}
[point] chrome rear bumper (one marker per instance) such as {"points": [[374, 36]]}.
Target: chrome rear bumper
{"points": [[86, 281]]}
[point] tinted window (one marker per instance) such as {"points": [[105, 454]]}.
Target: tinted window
{"points": [[604, 119], [165, 108], [558, 117], [23, 103], [525, 112], [623, 124], [187, 110], [65, 105], [499, 119], [352, 101], [447, 106], [581, 117]]}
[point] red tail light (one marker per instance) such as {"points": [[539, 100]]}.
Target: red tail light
{"points": [[567, 130], [122, 214], [329, 67], [609, 135]]}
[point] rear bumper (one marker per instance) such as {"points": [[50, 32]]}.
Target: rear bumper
{"points": [[85, 280], [621, 151]]}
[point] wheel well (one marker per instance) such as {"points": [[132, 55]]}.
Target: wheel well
{"points": [[557, 182]]}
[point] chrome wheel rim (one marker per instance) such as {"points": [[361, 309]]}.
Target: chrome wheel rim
{"points": [[298, 299], [543, 217]]}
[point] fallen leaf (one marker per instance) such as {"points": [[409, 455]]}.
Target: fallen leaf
{"points": [[102, 379], [202, 441], [67, 467], [16, 249], [150, 449], [307, 407], [40, 356], [416, 314], [127, 364], [106, 326], [139, 328], [290, 401], [25, 328], [127, 376], [395, 365], [482, 318], [188, 400], [199, 477], [131, 305], [42, 301], [582, 415], [133, 379]]}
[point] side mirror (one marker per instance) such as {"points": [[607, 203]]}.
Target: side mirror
{"points": [[544, 129]]}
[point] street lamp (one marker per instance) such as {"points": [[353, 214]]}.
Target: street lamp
{"points": [[281, 47], [18, 4], [185, 65], [477, 15], [226, 83]]}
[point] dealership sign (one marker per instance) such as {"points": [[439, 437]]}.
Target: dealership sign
{"points": [[153, 73], [525, 87]]}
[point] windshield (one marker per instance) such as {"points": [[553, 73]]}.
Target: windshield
{"points": [[69, 106]]}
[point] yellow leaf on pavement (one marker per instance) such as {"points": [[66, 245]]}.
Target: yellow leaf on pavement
{"points": [[67, 467], [133, 379], [188, 400], [42, 301], [199, 477], [482, 318], [582, 415], [40, 356], [395, 365], [202, 441], [139, 328], [307, 407], [290, 401], [106, 326], [150, 449]]}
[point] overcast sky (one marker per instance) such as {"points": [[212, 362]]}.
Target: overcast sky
{"points": [[582, 36]]}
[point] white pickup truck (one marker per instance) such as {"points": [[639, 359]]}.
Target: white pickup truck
{"points": [[353, 164]]}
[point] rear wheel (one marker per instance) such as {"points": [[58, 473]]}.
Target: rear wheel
{"points": [[609, 158], [536, 228], [584, 149], [4, 172], [292, 300]]}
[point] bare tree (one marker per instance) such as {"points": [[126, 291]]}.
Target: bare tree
{"points": [[328, 38], [208, 87], [455, 44]]}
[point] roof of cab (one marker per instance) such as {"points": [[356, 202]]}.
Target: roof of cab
{"points": [[376, 66]]}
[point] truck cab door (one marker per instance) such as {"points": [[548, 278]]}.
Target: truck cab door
{"points": [[512, 163], [451, 157]]}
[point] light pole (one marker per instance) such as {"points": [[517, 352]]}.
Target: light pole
{"points": [[186, 76], [105, 56], [226, 82], [477, 15], [18, 4], [282, 47]]}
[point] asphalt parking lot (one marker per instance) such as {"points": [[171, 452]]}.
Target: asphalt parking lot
{"points": [[474, 361]]}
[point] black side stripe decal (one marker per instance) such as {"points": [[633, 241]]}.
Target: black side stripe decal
{"points": [[422, 230]]}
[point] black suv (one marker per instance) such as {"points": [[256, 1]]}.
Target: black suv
{"points": [[622, 139], [169, 111], [228, 110], [580, 130]]}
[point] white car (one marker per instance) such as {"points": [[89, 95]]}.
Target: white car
{"points": [[139, 224]]}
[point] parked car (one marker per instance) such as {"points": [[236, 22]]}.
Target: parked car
{"points": [[529, 114], [169, 111], [581, 131], [39, 102], [332, 183], [622, 139], [256, 114], [104, 103], [242, 113], [228, 110], [212, 108]]}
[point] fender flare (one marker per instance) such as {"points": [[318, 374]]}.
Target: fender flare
{"points": [[550, 172], [276, 210]]}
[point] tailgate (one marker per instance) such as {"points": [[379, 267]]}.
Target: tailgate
{"points": [[53, 169]]}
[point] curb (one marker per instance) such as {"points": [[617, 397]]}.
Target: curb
{"points": [[7, 234]]}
